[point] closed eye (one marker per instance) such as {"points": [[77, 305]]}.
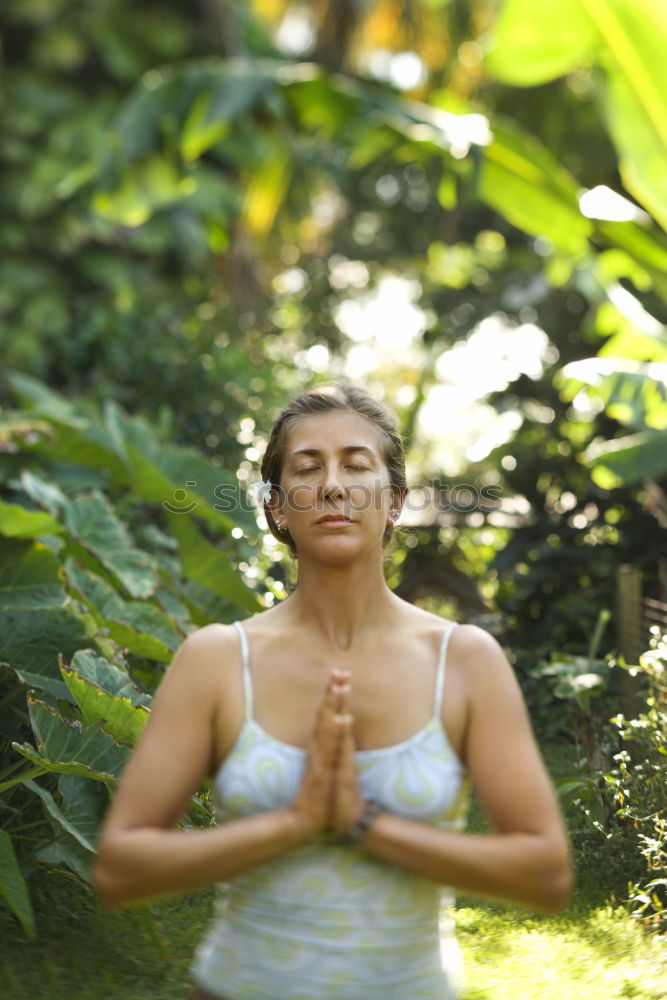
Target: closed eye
{"points": [[314, 468]]}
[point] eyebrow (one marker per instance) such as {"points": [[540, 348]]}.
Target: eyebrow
{"points": [[347, 450]]}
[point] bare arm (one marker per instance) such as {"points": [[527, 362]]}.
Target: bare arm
{"points": [[526, 859], [140, 854]]}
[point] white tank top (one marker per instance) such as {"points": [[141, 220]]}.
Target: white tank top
{"points": [[328, 921]]}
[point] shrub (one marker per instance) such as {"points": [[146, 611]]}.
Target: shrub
{"points": [[91, 613], [620, 797]]}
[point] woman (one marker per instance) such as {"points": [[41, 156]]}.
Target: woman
{"points": [[341, 729]]}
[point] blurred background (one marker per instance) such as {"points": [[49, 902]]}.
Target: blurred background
{"points": [[206, 207]]}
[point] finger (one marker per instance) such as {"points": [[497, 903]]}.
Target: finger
{"points": [[339, 677], [326, 740], [341, 695], [343, 725], [327, 704], [346, 748], [335, 680]]}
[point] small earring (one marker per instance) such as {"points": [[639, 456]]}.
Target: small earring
{"points": [[279, 525]]}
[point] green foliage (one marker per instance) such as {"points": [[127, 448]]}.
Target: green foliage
{"points": [[578, 678], [634, 395], [85, 951], [622, 797], [524, 182], [12, 885], [627, 41], [638, 784], [101, 700], [90, 615]]}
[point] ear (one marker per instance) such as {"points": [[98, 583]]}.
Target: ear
{"points": [[396, 505], [276, 508]]}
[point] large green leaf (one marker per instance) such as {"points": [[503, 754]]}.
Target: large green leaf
{"points": [[628, 342], [17, 522], [65, 850], [174, 607], [522, 180], [92, 522], [634, 393], [32, 638], [537, 40], [534, 41], [41, 682], [628, 460], [44, 493], [70, 747], [139, 627], [208, 565], [108, 676], [121, 718], [645, 245], [83, 806], [641, 141], [37, 396], [60, 766], [13, 888], [182, 480], [130, 452], [633, 43], [77, 438], [29, 576], [164, 100]]}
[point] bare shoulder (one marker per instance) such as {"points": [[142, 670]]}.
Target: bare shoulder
{"points": [[197, 665], [485, 680], [208, 640], [474, 641], [491, 690], [480, 654]]}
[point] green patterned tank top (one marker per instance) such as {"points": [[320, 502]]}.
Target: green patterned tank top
{"points": [[329, 921]]}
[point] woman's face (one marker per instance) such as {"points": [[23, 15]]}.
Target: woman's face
{"points": [[336, 498]]}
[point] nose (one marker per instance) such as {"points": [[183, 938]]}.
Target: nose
{"points": [[332, 486]]}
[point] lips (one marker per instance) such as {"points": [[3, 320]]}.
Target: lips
{"points": [[335, 519]]}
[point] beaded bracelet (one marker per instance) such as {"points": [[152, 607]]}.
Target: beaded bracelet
{"points": [[355, 832]]}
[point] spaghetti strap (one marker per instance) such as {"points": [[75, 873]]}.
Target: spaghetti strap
{"points": [[440, 675], [247, 682]]}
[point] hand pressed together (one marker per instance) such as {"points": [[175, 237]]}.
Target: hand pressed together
{"points": [[329, 797]]}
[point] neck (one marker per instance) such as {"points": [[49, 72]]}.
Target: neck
{"points": [[343, 603]]}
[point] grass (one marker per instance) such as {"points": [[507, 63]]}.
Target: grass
{"points": [[599, 954]]}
